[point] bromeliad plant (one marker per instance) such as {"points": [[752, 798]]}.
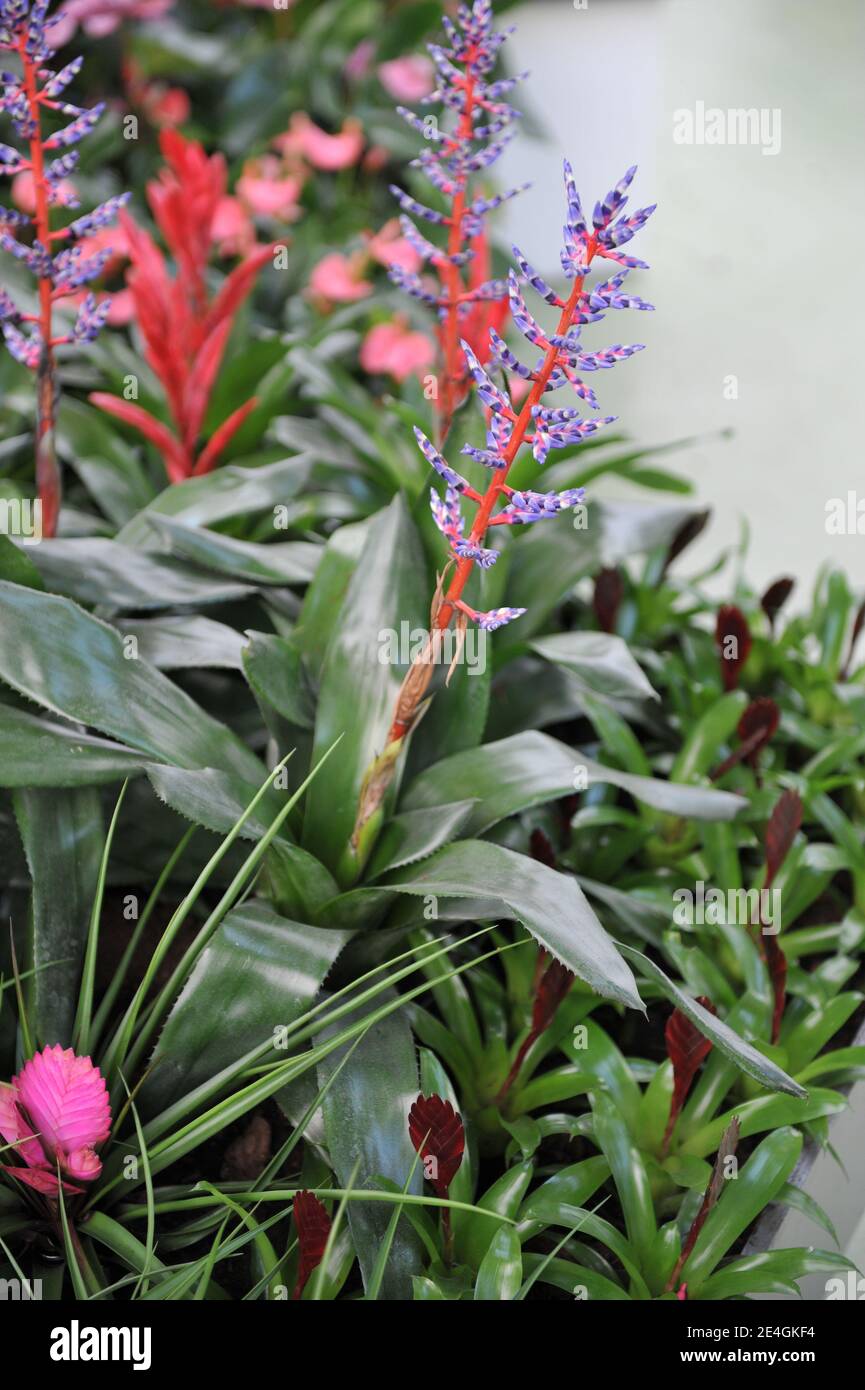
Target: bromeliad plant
{"points": [[510, 429], [509, 902], [34, 99]]}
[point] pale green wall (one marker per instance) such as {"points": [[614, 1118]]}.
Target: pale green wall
{"points": [[756, 260]]}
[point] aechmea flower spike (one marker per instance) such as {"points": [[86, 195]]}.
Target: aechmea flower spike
{"points": [[477, 129], [55, 1113], [30, 97], [513, 424], [543, 428]]}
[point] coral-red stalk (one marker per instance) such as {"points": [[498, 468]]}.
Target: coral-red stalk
{"points": [[47, 469], [404, 717]]}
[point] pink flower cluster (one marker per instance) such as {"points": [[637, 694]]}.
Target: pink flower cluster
{"points": [[55, 1113]]}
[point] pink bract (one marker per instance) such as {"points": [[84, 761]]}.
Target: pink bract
{"points": [[99, 17], [396, 351], [407, 79], [337, 279], [56, 1111], [322, 151]]}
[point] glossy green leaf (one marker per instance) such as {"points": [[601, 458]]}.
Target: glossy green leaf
{"points": [[549, 905], [186, 642], [601, 662], [725, 1039], [358, 688], [570, 1187], [62, 834], [231, 490], [629, 1175], [503, 1198], [774, 1271], [97, 571], [575, 1280], [275, 671], [38, 752], [414, 835], [501, 1272], [285, 562], [75, 665], [531, 768], [742, 1199], [257, 973], [380, 1079]]}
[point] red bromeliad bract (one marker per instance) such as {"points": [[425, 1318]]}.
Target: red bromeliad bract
{"points": [[437, 1133], [185, 332], [687, 1048], [313, 1228], [733, 638]]}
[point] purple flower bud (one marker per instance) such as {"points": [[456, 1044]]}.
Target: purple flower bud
{"points": [[26, 350], [496, 617], [62, 167], [91, 317], [468, 551], [488, 392], [576, 216], [101, 216], [523, 320], [410, 284], [481, 206], [59, 81], [432, 455], [503, 357], [410, 205], [446, 512], [538, 284], [614, 201], [9, 312], [11, 217], [71, 134]]}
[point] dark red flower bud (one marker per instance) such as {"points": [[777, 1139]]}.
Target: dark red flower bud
{"points": [[733, 638], [437, 1133], [313, 1228]]}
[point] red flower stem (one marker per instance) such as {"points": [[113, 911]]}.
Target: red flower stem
{"points": [[47, 470], [447, 1232], [450, 273], [516, 1065], [400, 727]]}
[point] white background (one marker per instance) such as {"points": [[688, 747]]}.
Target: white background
{"points": [[756, 260]]}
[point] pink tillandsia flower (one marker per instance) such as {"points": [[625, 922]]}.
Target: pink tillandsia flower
{"points": [[101, 17], [55, 1113], [407, 79], [267, 191], [395, 350], [390, 247], [320, 149], [338, 279]]}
